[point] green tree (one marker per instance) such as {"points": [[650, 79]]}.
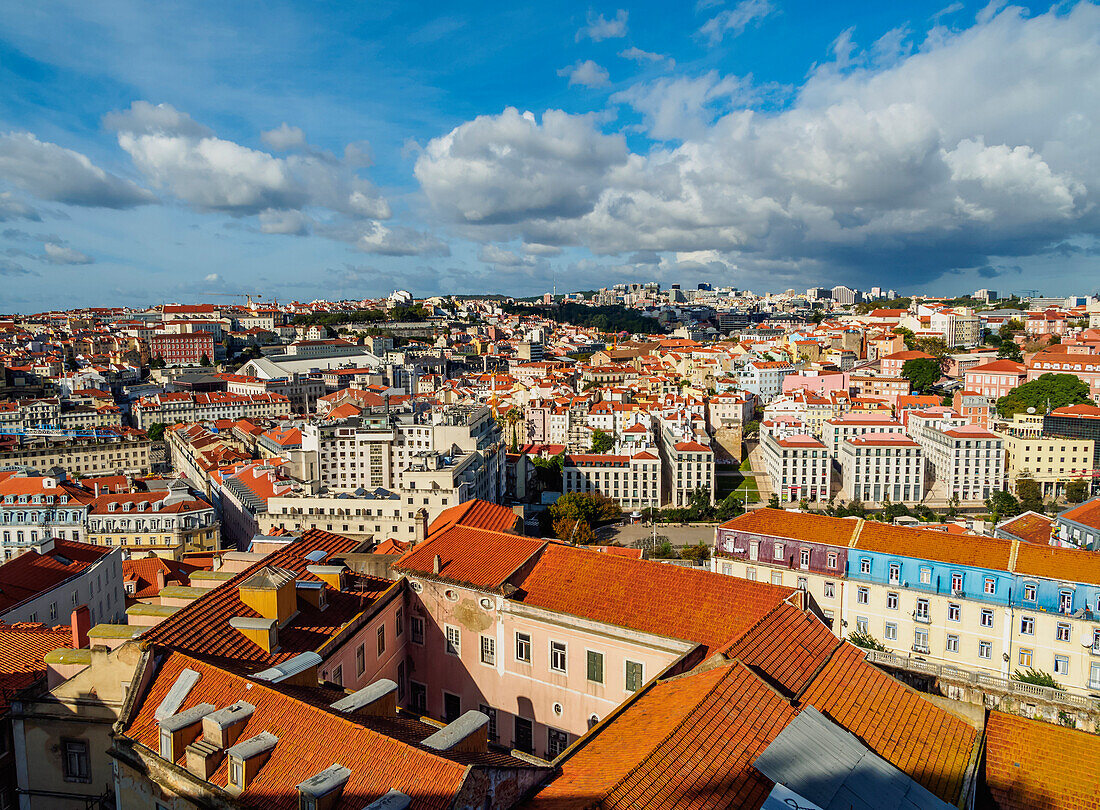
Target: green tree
{"points": [[602, 442], [204, 361], [1002, 504], [698, 553], [862, 638], [157, 362], [922, 372], [1030, 494], [1048, 391], [574, 531], [1077, 491], [663, 551], [1010, 328], [728, 507], [907, 336], [1010, 350], [156, 431], [773, 501]]}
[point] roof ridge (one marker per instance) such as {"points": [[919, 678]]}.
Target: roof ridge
{"points": [[854, 542]]}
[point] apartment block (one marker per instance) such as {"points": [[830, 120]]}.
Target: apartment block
{"points": [[169, 409], [968, 462], [882, 467], [799, 466], [631, 480]]}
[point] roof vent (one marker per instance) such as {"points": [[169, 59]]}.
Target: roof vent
{"points": [[246, 758], [378, 699], [393, 800], [301, 670], [437, 565], [322, 791], [470, 732], [316, 556]]}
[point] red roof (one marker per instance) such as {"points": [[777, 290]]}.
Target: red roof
{"points": [[1031, 527], [21, 649], [31, 573], [469, 556]]}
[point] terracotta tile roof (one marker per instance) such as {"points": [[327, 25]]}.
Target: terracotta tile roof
{"points": [[1058, 563], [930, 744], [202, 628], [477, 515], [310, 739], [787, 647], [1032, 765], [646, 596], [469, 556], [143, 573], [687, 742], [1087, 513], [780, 523], [22, 646], [981, 552], [1031, 527], [32, 573]]}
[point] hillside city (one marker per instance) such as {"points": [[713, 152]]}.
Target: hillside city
{"points": [[619, 548]]}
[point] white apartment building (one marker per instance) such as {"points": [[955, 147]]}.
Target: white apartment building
{"points": [[169, 409], [798, 465], [836, 431], [968, 462], [634, 481], [958, 328], [765, 377], [882, 466]]}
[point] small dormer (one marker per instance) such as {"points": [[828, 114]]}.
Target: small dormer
{"points": [[223, 727], [470, 732], [180, 730], [112, 506], [322, 791], [271, 593], [332, 575], [126, 506], [312, 592], [378, 699], [246, 758]]}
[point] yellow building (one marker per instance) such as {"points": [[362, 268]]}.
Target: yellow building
{"points": [[168, 524], [1051, 462]]}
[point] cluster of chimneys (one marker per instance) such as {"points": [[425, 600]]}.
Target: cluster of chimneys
{"points": [[206, 735]]}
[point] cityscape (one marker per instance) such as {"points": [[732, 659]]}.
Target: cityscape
{"points": [[709, 427]]}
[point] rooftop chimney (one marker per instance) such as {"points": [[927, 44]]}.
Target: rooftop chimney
{"points": [[301, 670], [437, 564], [81, 623], [393, 799], [421, 525]]}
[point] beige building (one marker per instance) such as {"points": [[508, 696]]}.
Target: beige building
{"points": [[168, 524], [128, 453], [798, 465], [1051, 462], [882, 467], [632, 481]]}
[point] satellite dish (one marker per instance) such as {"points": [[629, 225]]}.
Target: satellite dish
{"points": [[1031, 409]]}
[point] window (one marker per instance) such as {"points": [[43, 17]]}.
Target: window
{"points": [[1061, 665], [804, 558], [1029, 592], [921, 611], [1061, 632], [777, 577], [558, 656], [954, 612], [360, 661], [452, 707], [338, 675], [832, 559], [926, 576], [523, 647], [634, 679], [990, 585], [986, 619], [830, 590], [892, 600], [801, 583], [952, 644], [399, 623], [1065, 601], [75, 764], [491, 713], [488, 650], [920, 640], [891, 631], [861, 624], [750, 574], [862, 595], [416, 629], [864, 566], [895, 573], [381, 639], [454, 640], [777, 550], [236, 772], [419, 695], [556, 742], [957, 583], [1027, 625], [985, 649], [595, 666]]}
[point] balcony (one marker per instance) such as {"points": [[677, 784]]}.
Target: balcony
{"points": [[922, 649], [923, 618]]}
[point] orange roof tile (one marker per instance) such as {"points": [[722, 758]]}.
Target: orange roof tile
{"points": [[1031, 527], [1087, 513], [646, 596], [22, 646], [780, 523], [32, 573], [1032, 765], [469, 556], [476, 514], [981, 552], [1058, 563]]}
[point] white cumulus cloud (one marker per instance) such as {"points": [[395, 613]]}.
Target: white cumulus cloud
{"points": [[586, 74], [60, 254], [600, 28]]}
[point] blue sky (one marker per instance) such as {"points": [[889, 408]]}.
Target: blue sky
{"points": [[330, 150]]}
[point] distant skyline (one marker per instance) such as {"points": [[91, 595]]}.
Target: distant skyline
{"points": [[153, 153]]}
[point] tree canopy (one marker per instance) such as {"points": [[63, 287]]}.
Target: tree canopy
{"points": [[1010, 350], [602, 442], [613, 318], [922, 372], [1077, 491], [1047, 392]]}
